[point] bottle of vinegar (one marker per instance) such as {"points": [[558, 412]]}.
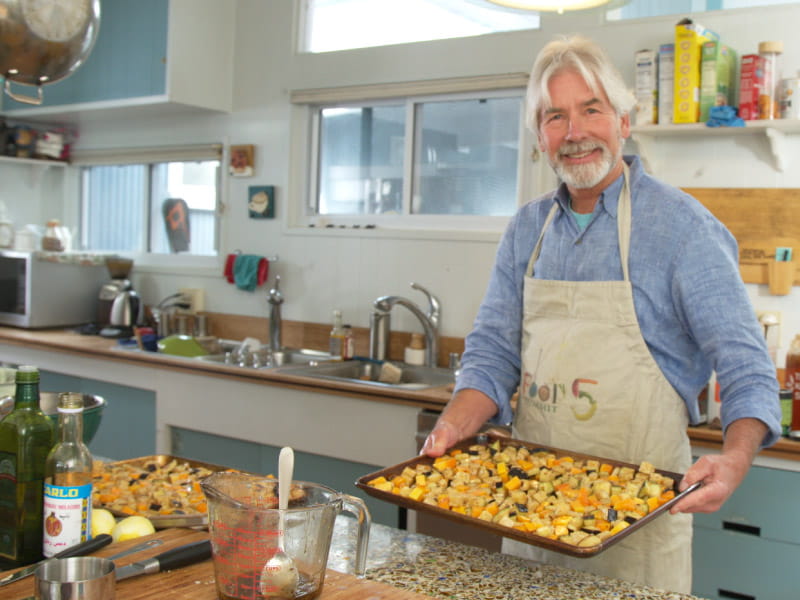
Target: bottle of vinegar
{"points": [[26, 437], [68, 481], [336, 347]]}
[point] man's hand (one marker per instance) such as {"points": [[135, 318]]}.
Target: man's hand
{"points": [[722, 473], [463, 416]]}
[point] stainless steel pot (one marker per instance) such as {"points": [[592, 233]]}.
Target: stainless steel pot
{"points": [[43, 41]]}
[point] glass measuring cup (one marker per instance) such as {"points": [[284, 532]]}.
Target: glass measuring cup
{"points": [[243, 522]]}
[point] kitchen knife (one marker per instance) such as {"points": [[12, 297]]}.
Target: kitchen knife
{"points": [[81, 549], [171, 559]]}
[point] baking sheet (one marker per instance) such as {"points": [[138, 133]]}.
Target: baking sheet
{"points": [[529, 538], [160, 460]]}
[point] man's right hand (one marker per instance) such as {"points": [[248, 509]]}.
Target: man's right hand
{"points": [[443, 435], [463, 416]]}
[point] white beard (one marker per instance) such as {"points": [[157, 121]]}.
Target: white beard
{"points": [[585, 175]]}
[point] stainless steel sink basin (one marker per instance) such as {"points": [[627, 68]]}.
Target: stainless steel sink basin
{"points": [[264, 359], [366, 373]]}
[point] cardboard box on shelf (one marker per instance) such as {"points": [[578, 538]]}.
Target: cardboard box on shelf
{"points": [[751, 82], [646, 88], [689, 39], [666, 82], [718, 69]]}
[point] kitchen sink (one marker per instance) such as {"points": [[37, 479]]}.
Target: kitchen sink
{"points": [[365, 372], [264, 359]]}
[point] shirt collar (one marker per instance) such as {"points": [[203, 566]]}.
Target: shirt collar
{"points": [[609, 198]]}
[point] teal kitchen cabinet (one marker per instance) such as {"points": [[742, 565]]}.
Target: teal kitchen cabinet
{"points": [[750, 548], [148, 52], [261, 458], [128, 426]]}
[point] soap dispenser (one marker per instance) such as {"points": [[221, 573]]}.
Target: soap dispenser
{"points": [[415, 351]]}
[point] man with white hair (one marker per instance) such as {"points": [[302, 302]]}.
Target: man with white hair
{"points": [[610, 302]]}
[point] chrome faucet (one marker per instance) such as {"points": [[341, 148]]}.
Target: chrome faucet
{"points": [[275, 299], [380, 325], [161, 312]]}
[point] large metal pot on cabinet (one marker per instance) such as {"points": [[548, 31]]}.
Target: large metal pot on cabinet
{"points": [[44, 41]]}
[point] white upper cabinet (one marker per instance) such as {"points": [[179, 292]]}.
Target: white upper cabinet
{"points": [[149, 53]]}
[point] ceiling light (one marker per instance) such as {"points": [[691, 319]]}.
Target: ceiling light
{"points": [[558, 6]]}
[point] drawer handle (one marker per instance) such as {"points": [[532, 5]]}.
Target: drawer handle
{"points": [[748, 529], [734, 595]]}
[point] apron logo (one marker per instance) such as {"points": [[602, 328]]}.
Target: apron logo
{"points": [[548, 397]]}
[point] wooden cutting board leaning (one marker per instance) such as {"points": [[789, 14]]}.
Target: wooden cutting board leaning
{"points": [[196, 582]]}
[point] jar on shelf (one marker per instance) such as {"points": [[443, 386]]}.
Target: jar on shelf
{"points": [[768, 100]]}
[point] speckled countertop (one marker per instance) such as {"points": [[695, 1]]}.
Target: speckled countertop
{"points": [[453, 571]]}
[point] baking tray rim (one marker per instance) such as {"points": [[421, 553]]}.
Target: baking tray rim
{"points": [[167, 521], [508, 532]]}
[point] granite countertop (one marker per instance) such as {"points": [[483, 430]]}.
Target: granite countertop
{"points": [[453, 571]]}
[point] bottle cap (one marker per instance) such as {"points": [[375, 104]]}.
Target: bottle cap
{"points": [[417, 341], [767, 47], [27, 374]]}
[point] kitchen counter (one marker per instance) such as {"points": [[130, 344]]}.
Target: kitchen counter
{"points": [[400, 566], [68, 341]]}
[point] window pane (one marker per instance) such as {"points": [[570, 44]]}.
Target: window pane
{"points": [[465, 157], [343, 24], [114, 200], [129, 208], [361, 160], [638, 9], [183, 207]]}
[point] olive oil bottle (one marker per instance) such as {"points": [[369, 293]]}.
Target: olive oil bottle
{"points": [[26, 437], [68, 481]]}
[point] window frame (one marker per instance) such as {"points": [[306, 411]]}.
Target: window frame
{"points": [[533, 175], [148, 156]]}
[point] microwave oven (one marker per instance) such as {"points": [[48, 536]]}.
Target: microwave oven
{"points": [[38, 291]]}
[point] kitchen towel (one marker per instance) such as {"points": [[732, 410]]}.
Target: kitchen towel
{"points": [[250, 271], [723, 116]]}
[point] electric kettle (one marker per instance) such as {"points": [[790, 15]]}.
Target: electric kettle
{"points": [[127, 311]]}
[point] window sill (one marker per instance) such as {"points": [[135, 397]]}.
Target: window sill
{"points": [[382, 232]]}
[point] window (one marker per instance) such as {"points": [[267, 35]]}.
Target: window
{"points": [[419, 158], [639, 9], [330, 25], [164, 206]]}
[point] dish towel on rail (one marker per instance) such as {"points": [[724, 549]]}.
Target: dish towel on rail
{"points": [[250, 271]]}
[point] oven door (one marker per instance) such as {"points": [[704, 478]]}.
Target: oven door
{"points": [[14, 272]]}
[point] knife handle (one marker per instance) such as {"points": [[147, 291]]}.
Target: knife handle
{"points": [[86, 547], [184, 555]]}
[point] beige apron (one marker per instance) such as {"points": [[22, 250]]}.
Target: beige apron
{"points": [[589, 384]]}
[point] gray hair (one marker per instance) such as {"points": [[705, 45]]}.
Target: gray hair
{"points": [[585, 57]]}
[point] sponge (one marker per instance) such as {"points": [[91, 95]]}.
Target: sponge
{"points": [[390, 373]]}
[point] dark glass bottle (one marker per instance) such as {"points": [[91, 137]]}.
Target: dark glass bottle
{"points": [[68, 481], [26, 437]]}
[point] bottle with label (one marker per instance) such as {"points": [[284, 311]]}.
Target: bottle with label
{"points": [[26, 437], [793, 384], [768, 100], [349, 347], [68, 481], [336, 341]]}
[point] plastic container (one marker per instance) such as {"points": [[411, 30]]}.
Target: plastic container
{"points": [[793, 384], [790, 98], [349, 345], [768, 100]]}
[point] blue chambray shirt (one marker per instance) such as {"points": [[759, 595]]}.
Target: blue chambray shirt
{"points": [[692, 307]]}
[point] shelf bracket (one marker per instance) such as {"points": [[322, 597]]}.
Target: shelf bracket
{"points": [[777, 145]]}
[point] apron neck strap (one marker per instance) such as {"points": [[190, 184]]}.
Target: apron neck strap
{"points": [[623, 226]]}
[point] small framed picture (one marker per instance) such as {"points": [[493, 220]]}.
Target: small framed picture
{"points": [[242, 161], [261, 202]]}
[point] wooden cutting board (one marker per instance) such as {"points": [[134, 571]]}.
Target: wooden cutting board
{"points": [[761, 220], [196, 582]]}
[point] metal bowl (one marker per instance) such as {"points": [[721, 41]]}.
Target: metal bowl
{"points": [[93, 407]]}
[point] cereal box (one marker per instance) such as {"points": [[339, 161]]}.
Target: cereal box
{"points": [[646, 86], [689, 40], [751, 81], [666, 82], [717, 77]]}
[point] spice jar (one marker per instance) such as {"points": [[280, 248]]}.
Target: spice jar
{"points": [[52, 240], [768, 102]]}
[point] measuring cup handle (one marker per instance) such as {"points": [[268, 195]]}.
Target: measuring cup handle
{"points": [[357, 508]]}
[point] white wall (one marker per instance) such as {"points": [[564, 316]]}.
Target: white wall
{"points": [[321, 271]]}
